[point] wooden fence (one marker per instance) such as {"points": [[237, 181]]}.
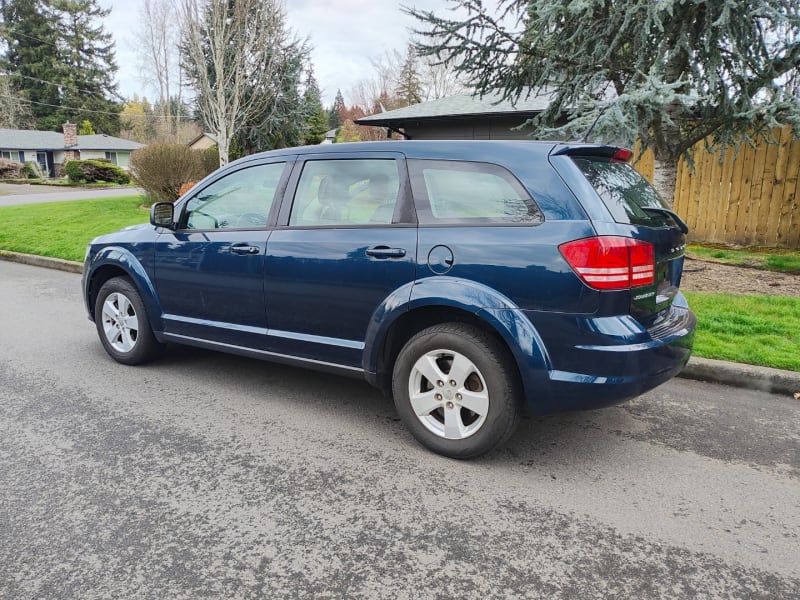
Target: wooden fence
{"points": [[749, 199]]}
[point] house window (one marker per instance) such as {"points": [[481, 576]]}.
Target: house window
{"points": [[13, 155], [112, 156]]}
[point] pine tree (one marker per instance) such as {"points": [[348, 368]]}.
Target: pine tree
{"points": [[335, 113], [316, 120], [409, 86], [88, 66], [31, 36], [62, 61], [668, 73]]}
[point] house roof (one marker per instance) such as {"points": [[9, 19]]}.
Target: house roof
{"points": [[22, 139], [210, 136], [456, 107]]}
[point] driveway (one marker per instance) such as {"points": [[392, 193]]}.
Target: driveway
{"points": [[210, 475], [13, 194]]}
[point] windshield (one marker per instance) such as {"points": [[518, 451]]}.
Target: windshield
{"points": [[623, 190]]}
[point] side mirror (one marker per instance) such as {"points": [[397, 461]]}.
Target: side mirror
{"points": [[162, 214]]}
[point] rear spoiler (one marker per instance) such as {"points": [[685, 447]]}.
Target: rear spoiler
{"points": [[593, 150]]}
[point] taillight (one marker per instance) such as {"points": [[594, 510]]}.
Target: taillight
{"points": [[611, 262], [622, 155]]}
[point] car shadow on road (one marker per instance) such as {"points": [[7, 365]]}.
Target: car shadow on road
{"points": [[568, 436]]}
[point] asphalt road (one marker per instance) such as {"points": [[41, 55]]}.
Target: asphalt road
{"points": [[13, 194], [207, 475]]}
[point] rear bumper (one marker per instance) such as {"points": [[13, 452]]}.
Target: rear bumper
{"points": [[610, 359]]}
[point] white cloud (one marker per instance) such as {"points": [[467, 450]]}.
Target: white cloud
{"points": [[344, 35]]}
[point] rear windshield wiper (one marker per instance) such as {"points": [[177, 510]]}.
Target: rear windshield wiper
{"points": [[670, 213]]}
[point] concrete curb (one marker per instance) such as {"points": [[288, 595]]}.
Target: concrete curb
{"points": [[42, 261], [774, 381], [765, 379]]}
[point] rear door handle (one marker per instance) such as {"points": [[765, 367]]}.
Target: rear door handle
{"points": [[386, 252], [245, 249]]}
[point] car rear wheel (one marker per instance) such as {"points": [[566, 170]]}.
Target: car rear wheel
{"points": [[455, 388], [122, 323]]}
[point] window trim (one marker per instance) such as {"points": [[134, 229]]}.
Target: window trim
{"points": [[425, 212]]}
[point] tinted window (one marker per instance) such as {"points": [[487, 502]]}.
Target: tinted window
{"points": [[346, 192], [241, 200], [623, 190], [468, 192]]}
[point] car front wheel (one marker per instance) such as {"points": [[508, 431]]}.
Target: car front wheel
{"points": [[122, 323], [455, 388]]}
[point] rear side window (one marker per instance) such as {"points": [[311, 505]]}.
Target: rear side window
{"points": [[623, 190], [346, 192], [455, 192]]}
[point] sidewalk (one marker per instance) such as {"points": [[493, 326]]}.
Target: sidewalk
{"points": [[765, 379]]}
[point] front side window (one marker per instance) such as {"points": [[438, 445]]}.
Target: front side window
{"points": [[456, 192], [111, 156], [346, 192], [241, 200]]}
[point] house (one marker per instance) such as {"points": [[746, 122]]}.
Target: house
{"points": [[462, 117], [52, 149], [203, 141]]}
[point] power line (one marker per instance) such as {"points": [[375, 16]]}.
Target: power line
{"points": [[60, 85], [97, 112]]}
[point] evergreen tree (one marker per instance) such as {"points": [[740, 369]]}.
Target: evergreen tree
{"points": [[316, 120], [88, 66], [409, 86], [60, 59], [335, 113], [31, 37], [669, 73]]}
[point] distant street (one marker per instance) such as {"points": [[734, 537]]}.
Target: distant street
{"points": [[212, 476], [13, 194]]}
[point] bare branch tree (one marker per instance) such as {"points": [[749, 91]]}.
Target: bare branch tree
{"points": [[234, 56], [158, 41]]}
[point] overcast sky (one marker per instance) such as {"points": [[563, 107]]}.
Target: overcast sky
{"points": [[344, 34]]}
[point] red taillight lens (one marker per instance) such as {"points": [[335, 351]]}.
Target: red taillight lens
{"points": [[611, 262], [622, 155]]}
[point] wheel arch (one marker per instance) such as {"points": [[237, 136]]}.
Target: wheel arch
{"points": [[117, 262], [450, 300]]}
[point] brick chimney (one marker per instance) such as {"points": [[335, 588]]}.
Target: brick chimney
{"points": [[70, 134], [71, 141]]}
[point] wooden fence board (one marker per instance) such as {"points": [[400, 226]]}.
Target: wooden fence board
{"points": [[751, 198]]}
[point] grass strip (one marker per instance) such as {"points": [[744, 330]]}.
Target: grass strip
{"points": [[756, 330], [786, 261], [62, 229]]}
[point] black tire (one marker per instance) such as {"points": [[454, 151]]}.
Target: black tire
{"points": [[489, 384], [124, 328]]}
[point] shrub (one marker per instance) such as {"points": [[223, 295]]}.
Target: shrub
{"points": [[89, 171], [74, 171], [9, 169], [32, 170], [161, 169]]}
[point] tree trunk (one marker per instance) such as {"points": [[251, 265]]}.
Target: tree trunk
{"points": [[665, 176]]}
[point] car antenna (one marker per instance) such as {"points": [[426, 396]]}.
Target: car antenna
{"points": [[586, 135]]}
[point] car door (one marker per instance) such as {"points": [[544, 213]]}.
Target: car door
{"points": [[209, 272], [345, 241]]}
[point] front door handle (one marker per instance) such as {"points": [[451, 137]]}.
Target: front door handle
{"points": [[386, 252], [245, 249]]}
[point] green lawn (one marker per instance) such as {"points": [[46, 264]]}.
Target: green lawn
{"points": [[62, 229], [758, 330], [787, 261]]}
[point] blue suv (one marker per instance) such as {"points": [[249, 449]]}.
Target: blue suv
{"points": [[474, 281]]}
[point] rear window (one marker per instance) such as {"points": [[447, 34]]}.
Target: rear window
{"points": [[469, 193], [623, 190]]}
